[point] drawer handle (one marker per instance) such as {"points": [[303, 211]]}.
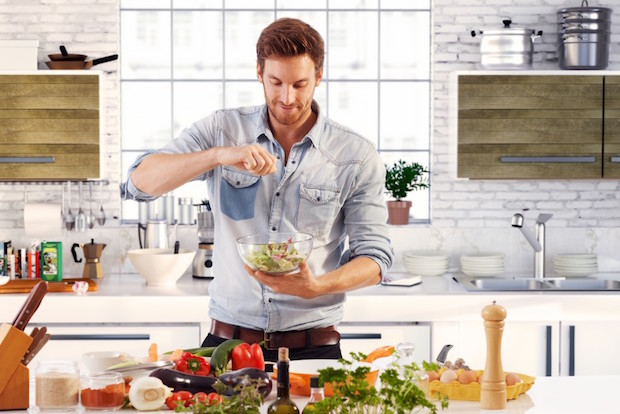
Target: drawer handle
{"points": [[615, 159], [33, 160], [101, 337], [360, 336], [549, 159]]}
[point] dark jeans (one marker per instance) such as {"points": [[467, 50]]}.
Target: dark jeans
{"points": [[317, 352]]}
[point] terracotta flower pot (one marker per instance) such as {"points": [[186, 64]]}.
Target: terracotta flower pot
{"points": [[398, 212]]}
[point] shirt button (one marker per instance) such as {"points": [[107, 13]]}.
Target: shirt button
{"points": [[270, 300], [273, 229], [277, 194], [293, 161], [278, 157]]}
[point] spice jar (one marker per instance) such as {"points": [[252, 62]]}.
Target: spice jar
{"points": [[57, 385], [102, 390]]}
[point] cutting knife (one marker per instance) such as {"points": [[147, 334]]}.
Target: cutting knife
{"points": [[46, 337], [36, 334], [31, 305]]}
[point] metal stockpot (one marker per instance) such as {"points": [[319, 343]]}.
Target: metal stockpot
{"points": [[583, 37], [507, 48]]}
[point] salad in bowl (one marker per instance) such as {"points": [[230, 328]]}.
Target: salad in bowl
{"points": [[275, 254]]}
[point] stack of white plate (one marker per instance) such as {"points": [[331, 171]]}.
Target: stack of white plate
{"points": [[575, 264], [426, 262], [483, 264]]}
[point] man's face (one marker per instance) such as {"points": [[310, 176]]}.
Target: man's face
{"points": [[289, 84]]}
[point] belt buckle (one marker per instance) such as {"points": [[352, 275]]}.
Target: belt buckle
{"points": [[266, 339]]}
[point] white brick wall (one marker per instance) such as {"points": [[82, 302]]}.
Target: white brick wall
{"points": [[91, 27]]}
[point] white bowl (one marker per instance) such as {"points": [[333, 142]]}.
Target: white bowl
{"points": [[161, 267], [101, 360]]}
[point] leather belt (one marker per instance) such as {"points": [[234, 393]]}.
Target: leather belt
{"points": [[273, 340]]}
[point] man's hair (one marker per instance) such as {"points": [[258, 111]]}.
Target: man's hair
{"points": [[288, 37]]}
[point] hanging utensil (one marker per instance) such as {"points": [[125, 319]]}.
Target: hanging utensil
{"points": [[80, 220], [90, 219], [69, 218], [31, 305], [101, 214]]}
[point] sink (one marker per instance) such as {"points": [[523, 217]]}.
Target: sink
{"points": [[533, 285], [585, 284], [496, 284]]}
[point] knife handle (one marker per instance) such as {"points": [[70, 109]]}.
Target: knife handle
{"points": [[31, 305]]}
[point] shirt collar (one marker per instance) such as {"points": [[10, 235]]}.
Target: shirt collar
{"points": [[315, 133]]}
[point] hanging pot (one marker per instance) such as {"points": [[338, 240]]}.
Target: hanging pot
{"points": [[508, 47], [583, 13]]}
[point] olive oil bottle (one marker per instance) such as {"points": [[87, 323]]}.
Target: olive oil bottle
{"points": [[316, 395], [283, 403]]}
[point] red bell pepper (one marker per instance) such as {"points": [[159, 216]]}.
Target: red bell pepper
{"points": [[193, 364], [247, 356]]}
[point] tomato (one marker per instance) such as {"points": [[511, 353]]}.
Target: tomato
{"points": [[214, 398], [173, 401], [200, 397]]}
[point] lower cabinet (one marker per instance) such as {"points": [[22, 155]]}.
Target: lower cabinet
{"points": [[530, 348], [367, 336], [71, 341], [590, 347]]}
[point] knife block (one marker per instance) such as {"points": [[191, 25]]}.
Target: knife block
{"points": [[14, 376]]}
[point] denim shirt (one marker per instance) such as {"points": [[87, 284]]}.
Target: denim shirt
{"points": [[330, 187]]}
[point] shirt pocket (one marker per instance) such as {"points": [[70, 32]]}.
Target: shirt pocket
{"points": [[238, 193], [317, 209]]}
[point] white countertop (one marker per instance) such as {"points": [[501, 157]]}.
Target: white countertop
{"points": [[549, 395], [127, 298]]}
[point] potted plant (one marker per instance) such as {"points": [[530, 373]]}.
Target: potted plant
{"points": [[400, 179]]}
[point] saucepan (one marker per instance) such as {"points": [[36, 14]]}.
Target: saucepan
{"points": [[64, 55], [78, 64], [301, 371]]}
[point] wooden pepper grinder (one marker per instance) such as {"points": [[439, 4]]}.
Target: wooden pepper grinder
{"points": [[493, 385]]}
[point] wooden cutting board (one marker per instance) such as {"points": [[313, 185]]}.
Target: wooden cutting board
{"points": [[25, 285]]}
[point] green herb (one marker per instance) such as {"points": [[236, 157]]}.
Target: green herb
{"points": [[401, 178], [246, 400], [398, 393]]}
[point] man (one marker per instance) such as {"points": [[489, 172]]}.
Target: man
{"points": [[281, 167]]}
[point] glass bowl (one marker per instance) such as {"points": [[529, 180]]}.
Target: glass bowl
{"points": [[275, 253]]}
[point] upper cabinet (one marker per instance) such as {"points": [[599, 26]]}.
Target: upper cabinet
{"points": [[538, 126], [49, 126]]}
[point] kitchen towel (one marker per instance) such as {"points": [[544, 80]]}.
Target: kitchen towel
{"points": [[43, 220]]}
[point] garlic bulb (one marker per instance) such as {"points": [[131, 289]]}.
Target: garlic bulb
{"points": [[148, 393]]}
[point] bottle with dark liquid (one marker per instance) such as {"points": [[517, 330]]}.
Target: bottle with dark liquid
{"points": [[283, 404], [316, 394]]}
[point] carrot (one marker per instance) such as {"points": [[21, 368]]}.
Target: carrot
{"points": [[153, 356], [380, 352], [176, 354]]}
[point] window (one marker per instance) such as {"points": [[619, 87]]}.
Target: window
{"points": [[183, 59]]}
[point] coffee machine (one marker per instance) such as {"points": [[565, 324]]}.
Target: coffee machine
{"points": [[202, 266], [92, 254]]}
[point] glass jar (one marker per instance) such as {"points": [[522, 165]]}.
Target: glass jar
{"points": [[102, 390], [57, 385]]}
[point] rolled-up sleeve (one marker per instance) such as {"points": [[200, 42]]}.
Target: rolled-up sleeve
{"points": [[197, 137], [366, 215]]}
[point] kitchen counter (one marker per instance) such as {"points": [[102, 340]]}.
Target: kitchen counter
{"points": [[127, 298], [549, 395]]}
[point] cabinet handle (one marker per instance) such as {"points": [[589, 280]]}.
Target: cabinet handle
{"points": [[32, 160], [360, 336], [571, 351], [552, 160], [615, 159], [548, 352], [101, 337]]}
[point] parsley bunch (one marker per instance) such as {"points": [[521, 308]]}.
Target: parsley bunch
{"points": [[398, 393]]}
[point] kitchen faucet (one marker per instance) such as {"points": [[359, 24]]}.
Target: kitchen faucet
{"points": [[537, 241]]}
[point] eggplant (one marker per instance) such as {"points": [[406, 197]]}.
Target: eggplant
{"points": [[181, 381], [243, 376]]}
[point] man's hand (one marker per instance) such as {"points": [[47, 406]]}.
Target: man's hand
{"points": [[301, 284], [251, 158]]}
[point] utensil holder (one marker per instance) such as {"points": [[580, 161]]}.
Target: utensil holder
{"points": [[14, 376]]}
